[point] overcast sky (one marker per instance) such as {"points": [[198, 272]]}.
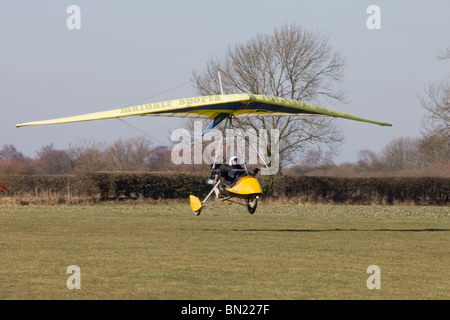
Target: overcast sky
{"points": [[132, 52]]}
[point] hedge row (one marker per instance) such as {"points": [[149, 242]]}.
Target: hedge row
{"points": [[116, 186], [388, 190], [104, 186]]}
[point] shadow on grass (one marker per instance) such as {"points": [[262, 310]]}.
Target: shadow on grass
{"points": [[339, 230]]}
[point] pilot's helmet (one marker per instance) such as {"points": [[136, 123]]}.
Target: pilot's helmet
{"points": [[232, 159]]}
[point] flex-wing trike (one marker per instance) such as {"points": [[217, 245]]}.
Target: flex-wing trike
{"points": [[244, 185], [247, 187], [218, 108]]}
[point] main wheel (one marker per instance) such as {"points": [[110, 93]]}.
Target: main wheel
{"points": [[251, 205], [197, 213]]}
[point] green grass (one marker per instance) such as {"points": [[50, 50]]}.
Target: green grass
{"points": [[280, 252]]}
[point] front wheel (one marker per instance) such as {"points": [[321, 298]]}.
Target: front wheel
{"points": [[251, 205]]}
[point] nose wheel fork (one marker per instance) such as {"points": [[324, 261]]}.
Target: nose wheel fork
{"points": [[252, 204]]}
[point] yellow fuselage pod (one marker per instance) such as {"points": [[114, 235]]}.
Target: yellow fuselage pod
{"points": [[246, 187]]}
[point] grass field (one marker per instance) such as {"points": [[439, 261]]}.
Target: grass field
{"points": [[281, 252]]}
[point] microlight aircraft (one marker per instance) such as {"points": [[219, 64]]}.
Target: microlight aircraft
{"points": [[228, 107]]}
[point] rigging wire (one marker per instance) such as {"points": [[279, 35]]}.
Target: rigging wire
{"points": [[152, 96], [159, 93], [141, 131]]}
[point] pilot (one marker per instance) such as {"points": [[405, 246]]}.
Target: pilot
{"points": [[232, 171]]}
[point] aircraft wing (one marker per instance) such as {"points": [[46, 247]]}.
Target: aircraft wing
{"points": [[213, 107]]}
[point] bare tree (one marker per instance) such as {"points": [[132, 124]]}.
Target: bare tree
{"points": [[129, 155], [437, 105], [87, 156], [9, 152], [442, 55], [436, 122], [13, 161], [291, 63], [159, 159], [52, 161], [435, 148], [318, 158], [402, 153], [369, 160]]}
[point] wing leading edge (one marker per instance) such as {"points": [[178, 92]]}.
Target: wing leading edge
{"points": [[240, 105]]}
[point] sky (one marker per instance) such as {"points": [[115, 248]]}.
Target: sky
{"points": [[135, 52]]}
